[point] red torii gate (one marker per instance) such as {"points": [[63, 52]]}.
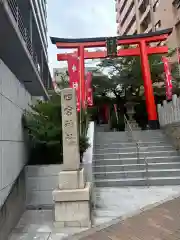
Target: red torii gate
{"points": [[143, 50]]}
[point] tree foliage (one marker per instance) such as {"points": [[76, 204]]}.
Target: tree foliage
{"points": [[64, 82], [124, 78]]}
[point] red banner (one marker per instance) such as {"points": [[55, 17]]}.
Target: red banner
{"points": [[89, 91], [73, 69], [168, 80]]}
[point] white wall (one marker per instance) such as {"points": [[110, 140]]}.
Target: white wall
{"points": [[13, 99]]}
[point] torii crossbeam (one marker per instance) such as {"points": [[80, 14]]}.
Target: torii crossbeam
{"points": [[143, 50]]}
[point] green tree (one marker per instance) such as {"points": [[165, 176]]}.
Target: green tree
{"points": [[64, 83], [124, 78], [125, 74]]}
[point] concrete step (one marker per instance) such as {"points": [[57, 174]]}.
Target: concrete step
{"points": [[138, 174], [133, 160], [158, 181], [121, 155], [128, 167], [130, 144], [133, 149], [136, 133], [128, 138]]}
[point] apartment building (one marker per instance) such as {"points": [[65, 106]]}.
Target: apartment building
{"points": [[24, 74], [143, 16]]}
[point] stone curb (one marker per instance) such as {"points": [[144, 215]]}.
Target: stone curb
{"points": [[98, 228]]}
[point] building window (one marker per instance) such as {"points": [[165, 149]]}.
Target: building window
{"points": [[176, 3], [156, 5], [158, 25]]}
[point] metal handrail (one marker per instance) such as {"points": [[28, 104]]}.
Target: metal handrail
{"points": [[133, 138], [146, 165], [137, 142], [15, 10], [146, 168]]}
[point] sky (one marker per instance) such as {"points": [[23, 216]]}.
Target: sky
{"points": [[78, 19]]}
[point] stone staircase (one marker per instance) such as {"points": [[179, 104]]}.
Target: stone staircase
{"points": [[116, 163]]}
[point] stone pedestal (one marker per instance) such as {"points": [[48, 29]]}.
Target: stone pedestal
{"points": [[72, 198], [134, 125], [130, 113]]}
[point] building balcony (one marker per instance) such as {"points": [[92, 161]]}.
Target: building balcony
{"points": [[118, 29], [117, 6], [39, 22], [121, 3], [177, 16], [140, 3], [145, 14], [124, 14], [128, 21], [133, 29], [33, 21], [16, 50], [117, 17], [149, 28]]}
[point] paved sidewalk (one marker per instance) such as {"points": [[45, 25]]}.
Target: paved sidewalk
{"points": [[112, 203], [159, 223]]}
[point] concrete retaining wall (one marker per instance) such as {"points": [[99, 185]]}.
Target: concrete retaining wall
{"points": [[172, 131], [88, 155], [13, 207], [42, 180]]}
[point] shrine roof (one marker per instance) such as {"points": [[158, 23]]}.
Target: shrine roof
{"points": [[55, 40]]}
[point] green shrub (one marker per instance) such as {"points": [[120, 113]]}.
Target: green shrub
{"points": [[44, 126], [83, 145]]}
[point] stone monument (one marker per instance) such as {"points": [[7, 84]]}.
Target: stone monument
{"points": [[72, 198]]}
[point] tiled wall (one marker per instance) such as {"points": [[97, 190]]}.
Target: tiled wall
{"points": [[13, 99]]}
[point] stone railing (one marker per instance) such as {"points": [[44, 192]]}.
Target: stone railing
{"points": [[169, 119], [169, 112], [88, 161], [88, 155]]}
